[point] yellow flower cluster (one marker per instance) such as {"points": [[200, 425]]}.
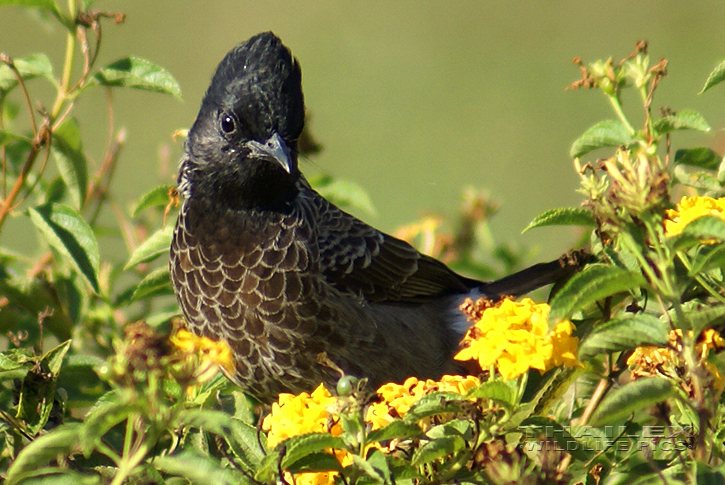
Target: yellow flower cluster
{"points": [[212, 354], [649, 360], [691, 208], [305, 413], [315, 413], [514, 336], [397, 399]]}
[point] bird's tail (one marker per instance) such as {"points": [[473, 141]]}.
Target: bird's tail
{"points": [[538, 275]]}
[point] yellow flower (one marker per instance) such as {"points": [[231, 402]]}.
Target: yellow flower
{"points": [[212, 354], [691, 208], [397, 399], [514, 336]]}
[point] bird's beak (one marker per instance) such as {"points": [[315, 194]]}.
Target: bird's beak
{"points": [[274, 150]]}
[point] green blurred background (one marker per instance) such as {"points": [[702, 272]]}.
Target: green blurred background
{"points": [[413, 100]]}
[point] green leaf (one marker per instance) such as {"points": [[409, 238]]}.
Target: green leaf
{"points": [[6, 137], [716, 77], [623, 333], [684, 120], [398, 429], [343, 193], [536, 426], [606, 133], [200, 469], [105, 415], [701, 157], [496, 390], [54, 475], [630, 398], [67, 233], [45, 4], [702, 228], [378, 461], [137, 73], [60, 441], [438, 448], [53, 359], [593, 283], [12, 360], [710, 258], [156, 245], [71, 160], [158, 196], [564, 216], [155, 283], [698, 317], [298, 447], [316, 462], [434, 403], [36, 65], [244, 443]]}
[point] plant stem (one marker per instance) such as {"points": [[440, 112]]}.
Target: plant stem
{"points": [[617, 107], [70, 51]]}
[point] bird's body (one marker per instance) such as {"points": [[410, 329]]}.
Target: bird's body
{"points": [[263, 262]]}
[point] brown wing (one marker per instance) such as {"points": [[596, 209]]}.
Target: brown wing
{"points": [[358, 258]]}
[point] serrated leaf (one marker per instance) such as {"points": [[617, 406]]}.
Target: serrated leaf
{"points": [[684, 120], [35, 65], [623, 333], [434, 403], [343, 193], [704, 261], [699, 317], [630, 398], [398, 429], [593, 283], [200, 469], [535, 426], [158, 196], [155, 283], [244, 443], [701, 157], [12, 361], [438, 448], [216, 422], [315, 462], [156, 245], [378, 461], [99, 421], [564, 216], [60, 441], [716, 77], [71, 160], [298, 447], [497, 390], [701, 229], [606, 133], [53, 359], [137, 73], [66, 232], [54, 475]]}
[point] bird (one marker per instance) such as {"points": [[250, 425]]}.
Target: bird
{"points": [[300, 290]]}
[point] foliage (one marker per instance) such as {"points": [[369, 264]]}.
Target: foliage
{"points": [[115, 400]]}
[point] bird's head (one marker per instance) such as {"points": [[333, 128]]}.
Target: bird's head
{"points": [[242, 148]]}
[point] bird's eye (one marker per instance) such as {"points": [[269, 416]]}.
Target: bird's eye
{"points": [[227, 123]]}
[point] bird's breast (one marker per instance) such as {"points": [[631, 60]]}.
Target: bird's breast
{"points": [[254, 284]]}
